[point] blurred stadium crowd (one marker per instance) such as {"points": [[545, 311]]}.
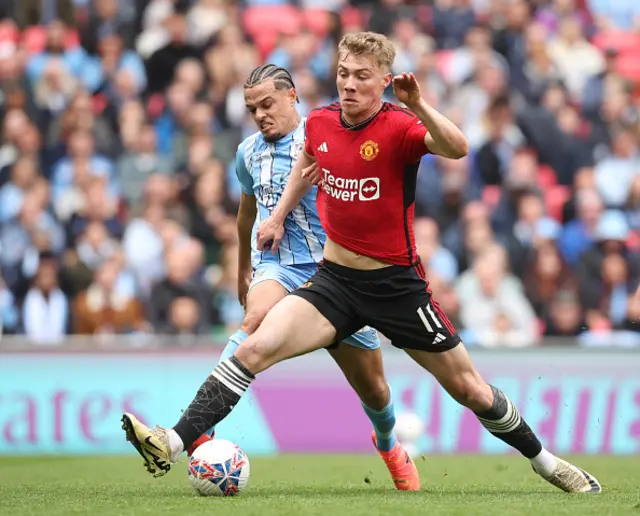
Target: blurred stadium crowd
{"points": [[120, 120]]}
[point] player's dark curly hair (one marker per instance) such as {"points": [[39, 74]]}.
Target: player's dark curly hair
{"points": [[280, 76]]}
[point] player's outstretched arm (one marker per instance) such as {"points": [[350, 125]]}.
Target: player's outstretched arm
{"points": [[443, 138], [246, 217], [271, 231]]}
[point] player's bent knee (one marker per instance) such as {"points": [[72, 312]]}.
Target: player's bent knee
{"points": [[375, 393], [470, 390], [252, 320], [256, 352]]}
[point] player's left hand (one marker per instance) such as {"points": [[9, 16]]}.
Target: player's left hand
{"points": [[406, 88], [270, 234]]}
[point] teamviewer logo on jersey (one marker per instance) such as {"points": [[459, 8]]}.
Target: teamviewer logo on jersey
{"points": [[369, 189], [350, 190]]}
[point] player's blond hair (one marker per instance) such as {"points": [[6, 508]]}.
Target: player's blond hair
{"points": [[378, 46]]}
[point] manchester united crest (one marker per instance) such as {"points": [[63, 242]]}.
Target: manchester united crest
{"points": [[369, 150]]}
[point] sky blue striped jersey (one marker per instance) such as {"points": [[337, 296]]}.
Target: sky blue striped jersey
{"points": [[263, 170]]}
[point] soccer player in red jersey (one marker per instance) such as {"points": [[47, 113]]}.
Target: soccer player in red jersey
{"points": [[364, 154]]}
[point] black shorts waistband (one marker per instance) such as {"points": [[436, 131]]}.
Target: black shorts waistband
{"points": [[364, 275]]}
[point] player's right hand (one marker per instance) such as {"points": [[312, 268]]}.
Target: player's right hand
{"points": [[270, 234], [313, 174], [244, 281]]}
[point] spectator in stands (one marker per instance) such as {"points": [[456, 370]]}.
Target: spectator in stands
{"points": [[14, 123], [96, 205], [578, 235], [105, 307], [8, 310], [552, 15], [143, 247], [474, 98], [520, 180], [54, 88], [532, 224], [510, 41], [37, 12], [185, 320], [180, 282], [547, 275], [575, 58], [24, 237], [410, 45], [163, 62], [204, 20], [383, 16], [23, 176], [228, 63], [45, 312], [190, 73], [451, 21], [71, 59], [80, 116], [633, 205], [623, 164], [437, 259], [476, 53], [494, 310], [207, 210], [593, 93], [100, 72], [81, 156], [622, 272], [503, 138], [564, 317], [617, 289], [172, 125], [140, 162], [107, 17]]}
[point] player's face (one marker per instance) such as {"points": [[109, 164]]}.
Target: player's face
{"points": [[272, 110], [360, 83]]}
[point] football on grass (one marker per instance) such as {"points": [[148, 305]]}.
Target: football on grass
{"points": [[219, 468]]}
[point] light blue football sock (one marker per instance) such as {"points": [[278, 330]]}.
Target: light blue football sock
{"points": [[383, 421], [229, 350]]}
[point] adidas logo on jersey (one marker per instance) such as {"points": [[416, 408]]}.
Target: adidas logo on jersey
{"points": [[323, 147], [439, 338]]}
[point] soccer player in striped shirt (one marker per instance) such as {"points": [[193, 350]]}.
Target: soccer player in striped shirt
{"points": [[263, 166]]}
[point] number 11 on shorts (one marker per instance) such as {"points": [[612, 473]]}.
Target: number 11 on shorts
{"points": [[428, 317]]}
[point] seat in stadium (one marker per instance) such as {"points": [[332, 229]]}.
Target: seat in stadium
{"points": [[34, 39], [317, 21], [555, 199], [266, 23]]}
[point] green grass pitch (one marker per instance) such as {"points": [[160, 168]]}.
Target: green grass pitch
{"points": [[313, 485]]}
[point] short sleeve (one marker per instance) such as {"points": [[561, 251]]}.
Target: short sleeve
{"points": [[413, 145], [246, 181], [308, 146]]}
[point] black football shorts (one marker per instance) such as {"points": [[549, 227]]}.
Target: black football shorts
{"points": [[394, 300]]}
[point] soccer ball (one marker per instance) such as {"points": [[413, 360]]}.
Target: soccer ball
{"points": [[409, 428], [219, 468]]}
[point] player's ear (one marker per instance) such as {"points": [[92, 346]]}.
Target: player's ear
{"points": [[387, 79], [292, 96]]}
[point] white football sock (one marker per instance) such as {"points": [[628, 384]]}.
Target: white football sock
{"points": [[545, 463], [176, 444]]}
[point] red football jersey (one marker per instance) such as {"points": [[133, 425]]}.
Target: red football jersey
{"points": [[367, 195]]}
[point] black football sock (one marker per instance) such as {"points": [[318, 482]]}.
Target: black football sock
{"points": [[503, 420], [215, 399]]}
